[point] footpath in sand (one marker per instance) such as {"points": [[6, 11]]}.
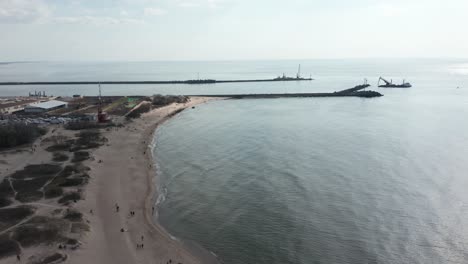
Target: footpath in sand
{"points": [[122, 174]]}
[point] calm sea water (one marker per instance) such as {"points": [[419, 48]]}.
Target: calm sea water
{"points": [[330, 75], [325, 180], [312, 180]]}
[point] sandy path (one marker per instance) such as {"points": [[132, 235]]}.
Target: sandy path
{"points": [[125, 177]]}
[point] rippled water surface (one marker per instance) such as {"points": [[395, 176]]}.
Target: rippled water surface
{"points": [[323, 180]]}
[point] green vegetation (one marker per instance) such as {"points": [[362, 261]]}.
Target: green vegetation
{"points": [[8, 247], [5, 188], [41, 230], [28, 182], [82, 125], [18, 134], [4, 201], [28, 235], [11, 216], [70, 196], [37, 171], [60, 157], [143, 108], [53, 192], [80, 156], [73, 216], [88, 139], [30, 196], [54, 258], [163, 100], [79, 228]]}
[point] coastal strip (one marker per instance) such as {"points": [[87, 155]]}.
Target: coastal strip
{"points": [[200, 81], [125, 175]]}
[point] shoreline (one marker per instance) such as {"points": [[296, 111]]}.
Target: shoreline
{"points": [[128, 176], [154, 192]]}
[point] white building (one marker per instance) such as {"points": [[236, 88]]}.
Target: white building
{"points": [[45, 106]]}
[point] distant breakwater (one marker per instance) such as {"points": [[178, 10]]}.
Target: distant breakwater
{"points": [[353, 92], [204, 81]]}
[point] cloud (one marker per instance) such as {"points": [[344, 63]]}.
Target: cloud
{"points": [[152, 11], [200, 3], [95, 20], [23, 11]]}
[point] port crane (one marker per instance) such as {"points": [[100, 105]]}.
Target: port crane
{"points": [[101, 116]]}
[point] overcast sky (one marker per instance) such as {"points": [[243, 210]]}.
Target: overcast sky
{"points": [[231, 29]]}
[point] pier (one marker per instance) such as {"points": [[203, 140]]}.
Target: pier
{"points": [[200, 81], [351, 92]]}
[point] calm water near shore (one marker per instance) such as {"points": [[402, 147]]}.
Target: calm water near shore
{"points": [[323, 180], [312, 180]]}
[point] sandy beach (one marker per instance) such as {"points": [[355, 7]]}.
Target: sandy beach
{"points": [[126, 177], [121, 174]]}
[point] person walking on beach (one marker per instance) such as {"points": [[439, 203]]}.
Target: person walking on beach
{"points": [[117, 207]]}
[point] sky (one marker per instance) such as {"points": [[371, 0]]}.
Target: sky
{"points": [[148, 30]]}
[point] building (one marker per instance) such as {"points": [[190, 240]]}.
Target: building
{"points": [[45, 106]]}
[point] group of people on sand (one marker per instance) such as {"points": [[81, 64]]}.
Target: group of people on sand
{"points": [[132, 213]]}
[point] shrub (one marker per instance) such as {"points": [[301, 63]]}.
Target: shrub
{"points": [[54, 258], [28, 235], [70, 182], [53, 192], [71, 196], [30, 185], [136, 113], [8, 247], [73, 216], [89, 139], [80, 156], [80, 125], [36, 171], [27, 197], [163, 100], [11, 216], [12, 135], [60, 157], [64, 146], [5, 188], [4, 200]]}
